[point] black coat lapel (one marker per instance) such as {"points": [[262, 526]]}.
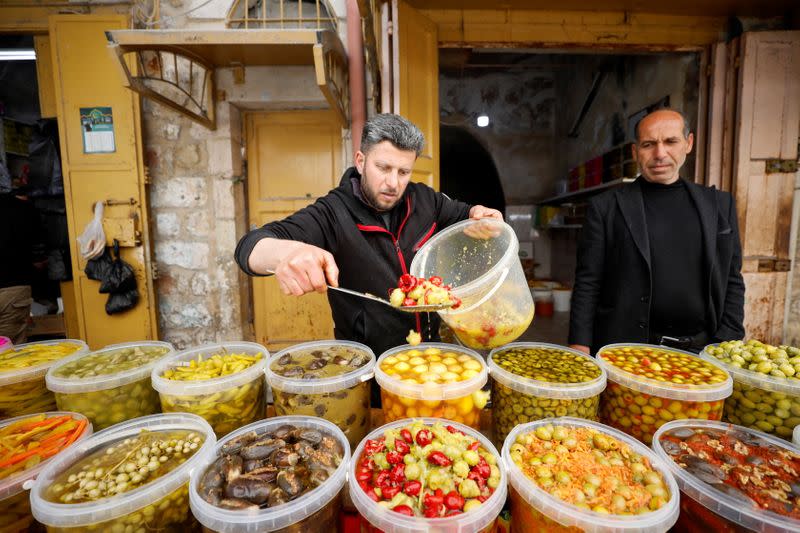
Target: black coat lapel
{"points": [[632, 206]]}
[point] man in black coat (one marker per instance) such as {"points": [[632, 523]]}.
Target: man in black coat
{"points": [[362, 235], [659, 260]]}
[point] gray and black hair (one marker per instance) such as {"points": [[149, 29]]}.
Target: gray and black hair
{"points": [[393, 128], [686, 129]]}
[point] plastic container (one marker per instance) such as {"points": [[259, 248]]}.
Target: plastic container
{"points": [[15, 503], [227, 402], [24, 391], [760, 401], [5, 344], [461, 401], [533, 509], [543, 300], [160, 505], [316, 510], [518, 400], [639, 405], [706, 508], [379, 518], [342, 399], [112, 396], [478, 259], [561, 300], [796, 438]]}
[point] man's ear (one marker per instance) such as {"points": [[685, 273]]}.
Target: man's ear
{"points": [[360, 159], [690, 140]]}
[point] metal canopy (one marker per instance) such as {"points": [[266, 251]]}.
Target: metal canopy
{"points": [[176, 67]]}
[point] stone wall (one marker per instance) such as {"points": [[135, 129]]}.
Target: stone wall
{"points": [[791, 332]]}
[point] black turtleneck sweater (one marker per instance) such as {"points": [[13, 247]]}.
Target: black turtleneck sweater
{"points": [[679, 277]]}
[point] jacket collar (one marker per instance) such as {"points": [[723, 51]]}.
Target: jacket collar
{"points": [[631, 204], [350, 190]]}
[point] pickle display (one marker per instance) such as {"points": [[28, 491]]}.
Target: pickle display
{"points": [[651, 385], [432, 380], [532, 381], [412, 291], [223, 383], [283, 474], [570, 474], [22, 370], [132, 476], [427, 475], [733, 479], [111, 385], [328, 379], [766, 385], [26, 444]]}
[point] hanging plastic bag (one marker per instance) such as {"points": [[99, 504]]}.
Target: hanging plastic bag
{"points": [[120, 276], [93, 239]]}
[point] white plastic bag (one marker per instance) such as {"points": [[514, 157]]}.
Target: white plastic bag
{"points": [[93, 239]]}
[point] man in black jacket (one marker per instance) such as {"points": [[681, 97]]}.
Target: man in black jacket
{"points": [[659, 260], [362, 236]]}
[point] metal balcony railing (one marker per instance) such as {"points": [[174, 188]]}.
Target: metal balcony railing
{"points": [[281, 14]]}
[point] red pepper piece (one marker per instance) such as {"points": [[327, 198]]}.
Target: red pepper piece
{"points": [[409, 302], [456, 302], [406, 434], [407, 282], [452, 429], [474, 446], [374, 446], [439, 459], [383, 478], [435, 280], [482, 498], [477, 478], [363, 475], [452, 512], [403, 509], [431, 512], [394, 457], [398, 474], [412, 488], [372, 495], [454, 500], [424, 437], [483, 470], [389, 492], [401, 447]]}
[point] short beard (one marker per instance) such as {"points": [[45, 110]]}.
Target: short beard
{"points": [[372, 200]]}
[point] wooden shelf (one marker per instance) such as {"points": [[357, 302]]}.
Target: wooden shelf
{"points": [[589, 191]]}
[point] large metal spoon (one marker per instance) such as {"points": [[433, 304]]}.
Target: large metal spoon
{"points": [[404, 308]]}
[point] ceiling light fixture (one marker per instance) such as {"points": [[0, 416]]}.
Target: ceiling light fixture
{"points": [[483, 121], [17, 54]]}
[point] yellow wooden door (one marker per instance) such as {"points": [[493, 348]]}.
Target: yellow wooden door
{"points": [[294, 157], [95, 170], [418, 86], [767, 120]]}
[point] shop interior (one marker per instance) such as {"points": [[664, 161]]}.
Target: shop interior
{"points": [[30, 169], [536, 133]]}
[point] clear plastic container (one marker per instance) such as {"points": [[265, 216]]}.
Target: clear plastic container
{"points": [[705, 508], [110, 396], [533, 509], [342, 399], [796, 438], [23, 391], [227, 402], [160, 505], [760, 401], [316, 510], [639, 405], [517, 399], [15, 503], [478, 259], [461, 401], [379, 518], [5, 344]]}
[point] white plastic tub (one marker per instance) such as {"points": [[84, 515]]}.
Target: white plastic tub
{"points": [[518, 400], [111, 396], [341, 399], [167, 494], [227, 402], [15, 507], [316, 510], [478, 259], [700, 499], [453, 401], [529, 502], [23, 391], [380, 518]]}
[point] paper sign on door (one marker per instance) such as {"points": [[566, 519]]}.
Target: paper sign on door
{"points": [[98, 130]]}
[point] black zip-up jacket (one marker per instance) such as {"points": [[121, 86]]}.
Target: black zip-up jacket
{"points": [[370, 256]]}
